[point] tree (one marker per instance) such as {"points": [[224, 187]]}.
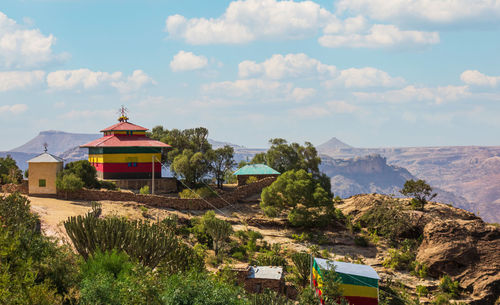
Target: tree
{"points": [[69, 183], [283, 157], [218, 229], [221, 162], [332, 289], [299, 195], [301, 267], [83, 170], [9, 171], [420, 191], [191, 166]]}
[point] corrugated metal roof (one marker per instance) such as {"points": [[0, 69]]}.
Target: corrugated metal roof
{"points": [[265, 272], [124, 126], [256, 169], [45, 158], [348, 268], [125, 141]]}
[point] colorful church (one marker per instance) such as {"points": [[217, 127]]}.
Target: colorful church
{"points": [[125, 152]]}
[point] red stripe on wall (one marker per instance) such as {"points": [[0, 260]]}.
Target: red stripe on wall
{"points": [[125, 168], [362, 301]]}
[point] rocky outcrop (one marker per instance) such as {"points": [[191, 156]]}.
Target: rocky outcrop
{"points": [[455, 242]]}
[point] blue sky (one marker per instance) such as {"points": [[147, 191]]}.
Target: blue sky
{"points": [[372, 73]]}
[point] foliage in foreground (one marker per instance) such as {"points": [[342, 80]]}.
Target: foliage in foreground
{"points": [[9, 171]]}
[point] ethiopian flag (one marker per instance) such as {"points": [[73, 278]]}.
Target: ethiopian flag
{"points": [[359, 283]]}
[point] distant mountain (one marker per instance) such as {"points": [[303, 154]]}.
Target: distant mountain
{"points": [[471, 172], [20, 157], [372, 174], [218, 144], [333, 144], [57, 141]]}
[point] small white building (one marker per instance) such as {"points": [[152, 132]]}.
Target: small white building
{"points": [[42, 174]]}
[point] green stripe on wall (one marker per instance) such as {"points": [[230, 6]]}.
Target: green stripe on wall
{"points": [[358, 280], [122, 150]]}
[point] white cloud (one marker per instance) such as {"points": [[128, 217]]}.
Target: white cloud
{"points": [[14, 80], [88, 79], [286, 66], [411, 93], [81, 78], [435, 12], [329, 108], [474, 77], [245, 21], [187, 61], [363, 78], [248, 88], [300, 94], [134, 82], [378, 36], [88, 114], [13, 109], [21, 47]]}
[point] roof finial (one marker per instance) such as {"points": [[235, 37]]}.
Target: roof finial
{"points": [[123, 114], [45, 145]]}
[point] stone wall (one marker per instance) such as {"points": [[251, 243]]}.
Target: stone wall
{"points": [[11, 188], [172, 202], [162, 185]]}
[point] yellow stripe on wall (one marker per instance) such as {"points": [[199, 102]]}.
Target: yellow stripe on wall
{"points": [[359, 291], [123, 158]]}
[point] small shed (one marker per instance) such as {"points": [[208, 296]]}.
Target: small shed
{"points": [[42, 174], [359, 282], [265, 277], [260, 171]]}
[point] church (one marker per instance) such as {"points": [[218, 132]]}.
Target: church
{"points": [[125, 152]]}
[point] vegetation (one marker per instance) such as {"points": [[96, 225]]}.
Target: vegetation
{"points": [[219, 230], [251, 179], [202, 192], [221, 163], [301, 197], [69, 182], [301, 268], [145, 190], [9, 171], [448, 286], [420, 191], [284, 157]]}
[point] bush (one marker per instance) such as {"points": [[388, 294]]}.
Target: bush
{"points": [[447, 285], [300, 196], [251, 179], [83, 170], [109, 185], [422, 290], [145, 190], [268, 297], [402, 258], [69, 183], [361, 241], [193, 288], [419, 269], [203, 192]]}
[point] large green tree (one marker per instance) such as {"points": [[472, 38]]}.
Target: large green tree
{"points": [[221, 163], [284, 156], [9, 171], [301, 197], [85, 171], [191, 166]]}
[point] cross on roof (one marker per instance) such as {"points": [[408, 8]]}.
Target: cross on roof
{"points": [[45, 145], [123, 114]]}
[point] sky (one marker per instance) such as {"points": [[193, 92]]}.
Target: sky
{"points": [[373, 73]]}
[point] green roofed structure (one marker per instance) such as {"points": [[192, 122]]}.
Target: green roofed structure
{"points": [[259, 171]]}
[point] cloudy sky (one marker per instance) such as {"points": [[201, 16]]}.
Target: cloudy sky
{"points": [[370, 72]]}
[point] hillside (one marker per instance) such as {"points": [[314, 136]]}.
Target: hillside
{"points": [[455, 242]]}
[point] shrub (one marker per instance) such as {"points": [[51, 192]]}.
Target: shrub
{"points": [[69, 183], [402, 258], [251, 179], [145, 190], [268, 297], [361, 241], [219, 230], [109, 185], [441, 299], [83, 170], [447, 285], [272, 257], [301, 268], [192, 288], [203, 192], [422, 290], [419, 269]]}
